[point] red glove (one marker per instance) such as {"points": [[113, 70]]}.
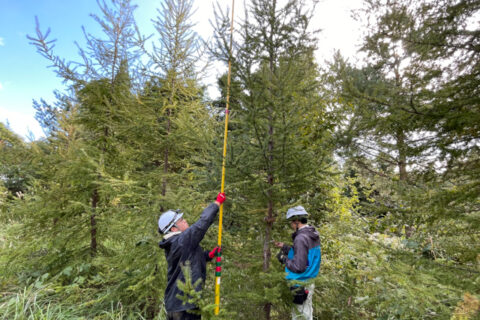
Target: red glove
{"points": [[221, 197], [212, 253]]}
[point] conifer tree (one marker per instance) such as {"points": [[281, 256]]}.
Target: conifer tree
{"points": [[279, 127], [384, 135], [177, 127], [420, 77], [181, 128], [385, 95], [446, 43], [15, 171], [105, 61]]}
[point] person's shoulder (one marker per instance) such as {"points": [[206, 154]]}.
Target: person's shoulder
{"points": [[306, 232], [310, 229], [301, 236]]}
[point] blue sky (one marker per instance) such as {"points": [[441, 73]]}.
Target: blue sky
{"points": [[24, 74]]}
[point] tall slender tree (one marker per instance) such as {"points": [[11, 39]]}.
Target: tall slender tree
{"points": [[416, 103], [16, 170], [173, 94], [105, 64], [278, 118]]}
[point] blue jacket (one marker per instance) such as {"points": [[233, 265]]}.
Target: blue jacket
{"points": [[305, 256], [184, 247]]}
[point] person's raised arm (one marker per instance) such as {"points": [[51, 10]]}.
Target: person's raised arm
{"points": [[195, 233]]}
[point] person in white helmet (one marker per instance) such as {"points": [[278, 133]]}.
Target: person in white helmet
{"points": [[181, 243], [302, 262]]}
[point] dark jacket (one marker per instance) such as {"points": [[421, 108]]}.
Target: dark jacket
{"points": [[185, 247], [304, 258]]}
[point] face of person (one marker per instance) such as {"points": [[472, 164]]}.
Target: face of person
{"points": [[182, 224], [294, 225]]}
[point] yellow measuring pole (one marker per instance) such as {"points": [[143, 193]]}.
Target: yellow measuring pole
{"points": [[218, 268]]}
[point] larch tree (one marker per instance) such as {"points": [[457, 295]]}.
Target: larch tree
{"points": [[414, 107], [382, 134], [104, 61], [447, 43], [181, 124], [279, 129]]}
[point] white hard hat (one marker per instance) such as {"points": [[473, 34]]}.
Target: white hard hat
{"points": [[168, 219], [296, 211]]}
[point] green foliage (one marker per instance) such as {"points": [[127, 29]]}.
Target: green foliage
{"points": [[423, 182], [397, 215], [32, 303], [16, 167], [198, 298], [383, 276], [280, 146]]}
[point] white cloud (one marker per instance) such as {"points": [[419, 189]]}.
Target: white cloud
{"points": [[1, 86], [334, 17], [2, 42], [23, 124]]}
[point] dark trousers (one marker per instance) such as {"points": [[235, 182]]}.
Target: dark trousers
{"points": [[183, 315]]}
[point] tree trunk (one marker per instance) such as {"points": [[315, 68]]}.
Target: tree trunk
{"points": [[267, 308], [165, 160], [400, 134], [402, 156], [267, 254], [93, 224], [169, 124], [269, 219]]}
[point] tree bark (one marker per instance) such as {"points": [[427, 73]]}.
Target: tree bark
{"points": [[402, 156], [169, 124], [93, 224], [267, 254], [165, 160]]}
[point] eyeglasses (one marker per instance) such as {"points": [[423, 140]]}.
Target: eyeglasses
{"points": [[175, 224]]}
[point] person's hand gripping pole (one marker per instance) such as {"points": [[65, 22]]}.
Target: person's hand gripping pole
{"points": [[217, 252]]}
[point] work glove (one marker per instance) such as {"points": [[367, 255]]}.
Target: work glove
{"points": [[212, 253], [282, 255], [221, 197]]}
